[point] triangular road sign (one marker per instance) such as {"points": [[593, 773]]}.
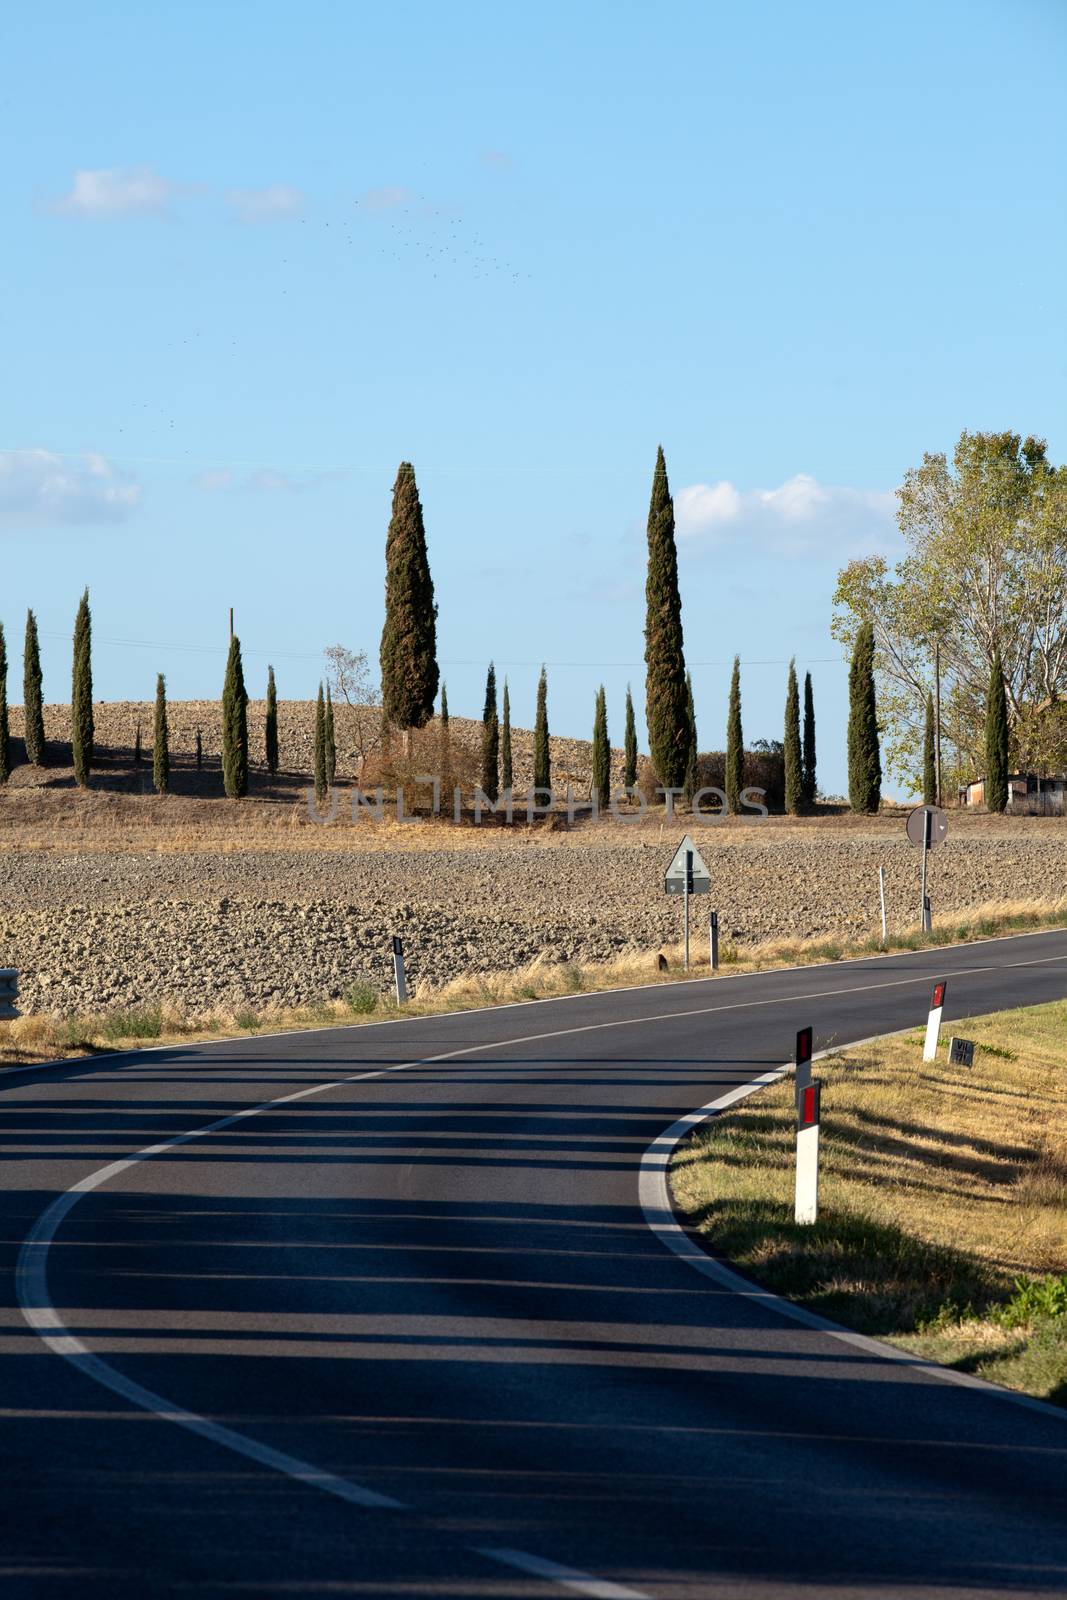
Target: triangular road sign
{"points": [[674, 878]]}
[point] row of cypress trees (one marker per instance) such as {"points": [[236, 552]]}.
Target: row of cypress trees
{"points": [[33, 697]]}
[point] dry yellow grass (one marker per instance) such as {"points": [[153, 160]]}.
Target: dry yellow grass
{"points": [[939, 1188]]}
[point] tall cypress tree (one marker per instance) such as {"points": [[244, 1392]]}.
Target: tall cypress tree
{"points": [[270, 730], [665, 688], [793, 761], [810, 783], [161, 739], [507, 774], [32, 697], [81, 698], [235, 725], [331, 740], [629, 744], [542, 759], [601, 749], [409, 636], [5, 731], [735, 743], [490, 739], [319, 755], [929, 763], [996, 740], [691, 783], [445, 749], [864, 760], [199, 750]]}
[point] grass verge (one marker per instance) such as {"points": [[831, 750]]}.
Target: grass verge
{"points": [[45, 1037], [943, 1197]]}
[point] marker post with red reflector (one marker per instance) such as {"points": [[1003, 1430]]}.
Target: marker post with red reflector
{"points": [[802, 1070], [806, 1207], [933, 1026]]}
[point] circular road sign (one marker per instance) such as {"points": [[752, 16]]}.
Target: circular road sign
{"points": [[938, 825]]}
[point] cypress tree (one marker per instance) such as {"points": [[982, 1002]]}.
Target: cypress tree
{"points": [[319, 755], [542, 757], [864, 761], [81, 699], [445, 753], [810, 785], [996, 740], [235, 725], [161, 740], [691, 784], [137, 751], [665, 687], [5, 731], [507, 775], [199, 750], [794, 769], [735, 743], [409, 637], [32, 698], [490, 781], [270, 730], [929, 763], [629, 746], [601, 749], [331, 741]]}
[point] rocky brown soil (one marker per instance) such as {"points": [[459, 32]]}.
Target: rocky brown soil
{"points": [[95, 928]]}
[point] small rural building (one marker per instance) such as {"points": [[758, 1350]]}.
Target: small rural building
{"points": [[1026, 792]]}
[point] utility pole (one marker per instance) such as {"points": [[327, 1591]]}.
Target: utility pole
{"points": [[936, 720]]}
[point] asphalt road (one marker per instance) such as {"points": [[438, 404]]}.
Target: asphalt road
{"points": [[410, 1334]]}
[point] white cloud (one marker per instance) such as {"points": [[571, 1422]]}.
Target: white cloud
{"points": [[800, 516], [117, 192], [386, 198], [37, 486], [277, 202]]}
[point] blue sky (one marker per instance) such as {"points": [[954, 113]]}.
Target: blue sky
{"points": [[255, 255]]}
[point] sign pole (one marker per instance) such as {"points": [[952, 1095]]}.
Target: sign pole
{"points": [[926, 850], [713, 936], [685, 901]]}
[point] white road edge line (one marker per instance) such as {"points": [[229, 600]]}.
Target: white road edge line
{"points": [[544, 1000], [31, 1271], [657, 1206], [567, 1577]]}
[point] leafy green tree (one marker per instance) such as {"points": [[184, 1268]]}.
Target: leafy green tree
{"points": [[629, 744], [270, 730], [319, 749], [666, 702], [235, 725], [794, 763], [32, 694], [929, 762], [864, 758], [490, 783], [5, 731], [542, 758], [331, 741], [161, 739], [692, 782], [81, 699], [601, 749], [507, 774], [810, 781], [409, 637], [735, 743], [996, 740], [985, 568]]}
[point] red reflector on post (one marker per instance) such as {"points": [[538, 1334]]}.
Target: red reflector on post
{"points": [[939, 996], [804, 1045], [809, 1104]]}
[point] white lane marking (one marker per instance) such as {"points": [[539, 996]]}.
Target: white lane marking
{"points": [[31, 1272], [554, 999], [655, 1200], [567, 1577]]}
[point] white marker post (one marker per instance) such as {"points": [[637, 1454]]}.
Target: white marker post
{"points": [[933, 1026], [806, 1206], [881, 896], [398, 970], [802, 1070], [713, 939]]}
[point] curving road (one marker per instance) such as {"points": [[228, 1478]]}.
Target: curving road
{"points": [[377, 1312]]}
